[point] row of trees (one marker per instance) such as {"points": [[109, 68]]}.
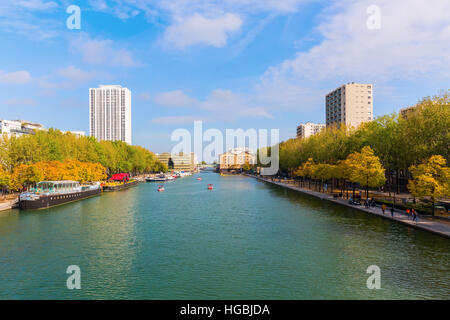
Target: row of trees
{"points": [[359, 167], [47, 148], [398, 141], [26, 174]]}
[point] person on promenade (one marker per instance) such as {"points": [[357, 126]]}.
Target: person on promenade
{"points": [[407, 212], [383, 208], [414, 214], [392, 211]]}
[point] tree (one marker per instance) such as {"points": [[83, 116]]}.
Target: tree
{"points": [[430, 179], [322, 171], [366, 169], [246, 167]]}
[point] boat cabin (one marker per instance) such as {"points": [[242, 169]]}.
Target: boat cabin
{"points": [[64, 186]]}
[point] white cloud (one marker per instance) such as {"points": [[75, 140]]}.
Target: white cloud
{"points": [[174, 98], [198, 29], [102, 52], [219, 105], [413, 43], [17, 77], [144, 96], [230, 106], [20, 102], [175, 120], [38, 5], [200, 22], [75, 74], [24, 17]]}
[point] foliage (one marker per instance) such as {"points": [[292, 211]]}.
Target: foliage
{"points": [[398, 142], [25, 174], [51, 149], [246, 167], [430, 179], [365, 168]]}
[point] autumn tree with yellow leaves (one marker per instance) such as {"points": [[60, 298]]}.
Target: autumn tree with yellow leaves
{"points": [[365, 168], [430, 179]]}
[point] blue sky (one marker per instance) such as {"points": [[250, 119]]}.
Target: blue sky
{"points": [[231, 63]]}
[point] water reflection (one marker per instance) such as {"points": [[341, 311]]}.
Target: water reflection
{"points": [[244, 240]]}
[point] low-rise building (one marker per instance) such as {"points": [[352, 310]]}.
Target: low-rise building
{"points": [[405, 112], [19, 127], [304, 130], [236, 158], [179, 162]]}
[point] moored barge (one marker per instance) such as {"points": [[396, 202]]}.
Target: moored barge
{"points": [[120, 186], [54, 193]]}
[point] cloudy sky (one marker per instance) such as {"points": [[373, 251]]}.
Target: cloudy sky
{"points": [[231, 63]]}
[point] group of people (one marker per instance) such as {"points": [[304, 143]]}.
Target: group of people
{"points": [[413, 213], [369, 203]]}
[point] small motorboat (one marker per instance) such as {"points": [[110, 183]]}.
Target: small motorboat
{"points": [[199, 179], [210, 186], [160, 188]]}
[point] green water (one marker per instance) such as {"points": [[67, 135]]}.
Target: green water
{"points": [[246, 239]]}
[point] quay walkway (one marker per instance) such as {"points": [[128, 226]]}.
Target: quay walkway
{"points": [[9, 204], [441, 228]]}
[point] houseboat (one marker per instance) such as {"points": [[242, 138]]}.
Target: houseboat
{"points": [[119, 181], [48, 194]]}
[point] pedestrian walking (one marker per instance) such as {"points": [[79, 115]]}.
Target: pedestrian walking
{"points": [[392, 211], [383, 208], [414, 214], [407, 212]]}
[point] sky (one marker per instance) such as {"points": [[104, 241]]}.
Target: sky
{"points": [[263, 64]]}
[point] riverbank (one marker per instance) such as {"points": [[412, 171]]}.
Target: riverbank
{"points": [[9, 204], [437, 227]]}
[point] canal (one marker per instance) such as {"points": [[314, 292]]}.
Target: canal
{"points": [[243, 240]]}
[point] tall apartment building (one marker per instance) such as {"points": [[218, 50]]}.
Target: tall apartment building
{"points": [[110, 113], [350, 104], [304, 130]]}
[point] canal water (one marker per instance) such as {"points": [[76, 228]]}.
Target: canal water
{"points": [[245, 239]]}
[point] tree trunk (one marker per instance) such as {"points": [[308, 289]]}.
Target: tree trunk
{"points": [[397, 180]]}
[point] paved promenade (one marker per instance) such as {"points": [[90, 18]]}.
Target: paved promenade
{"points": [[441, 228], [9, 204]]}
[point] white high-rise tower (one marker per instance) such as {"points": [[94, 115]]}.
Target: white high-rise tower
{"points": [[110, 113]]}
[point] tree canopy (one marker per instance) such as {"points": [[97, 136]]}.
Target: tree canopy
{"points": [[53, 154]]}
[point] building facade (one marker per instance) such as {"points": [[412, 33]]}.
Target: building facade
{"points": [[350, 104], [179, 162], [236, 158], [304, 130], [110, 113], [405, 112], [19, 127]]}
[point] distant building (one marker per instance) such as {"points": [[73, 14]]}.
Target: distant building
{"points": [[19, 127], [236, 158], [350, 104], [179, 162], [76, 133], [405, 112], [110, 113], [304, 130]]}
